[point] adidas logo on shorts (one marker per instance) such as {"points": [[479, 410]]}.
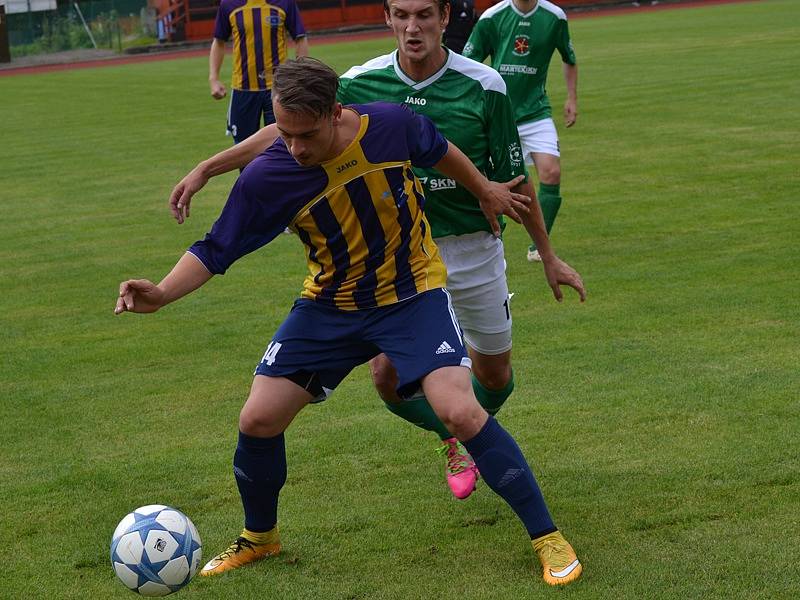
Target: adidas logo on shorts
{"points": [[444, 348]]}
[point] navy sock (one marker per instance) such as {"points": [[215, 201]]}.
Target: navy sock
{"points": [[505, 470], [259, 465]]}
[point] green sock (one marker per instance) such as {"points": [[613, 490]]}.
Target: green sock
{"points": [[550, 201], [418, 412], [492, 400]]}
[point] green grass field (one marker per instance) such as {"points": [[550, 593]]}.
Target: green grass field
{"points": [[661, 417]]}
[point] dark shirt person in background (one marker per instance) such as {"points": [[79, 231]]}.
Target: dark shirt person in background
{"points": [[462, 20]]}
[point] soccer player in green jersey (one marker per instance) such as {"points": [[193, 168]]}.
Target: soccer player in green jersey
{"points": [[468, 102], [521, 37]]}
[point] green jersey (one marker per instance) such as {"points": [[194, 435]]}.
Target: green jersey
{"points": [[467, 101], [521, 46]]}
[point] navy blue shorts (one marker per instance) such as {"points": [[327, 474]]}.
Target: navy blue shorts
{"points": [[317, 346], [245, 112]]}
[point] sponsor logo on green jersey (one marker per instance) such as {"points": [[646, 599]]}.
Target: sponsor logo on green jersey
{"points": [[436, 184], [506, 69], [415, 101]]}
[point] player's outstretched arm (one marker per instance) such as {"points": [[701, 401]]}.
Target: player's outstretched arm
{"points": [[235, 157], [556, 271], [495, 198], [143, 296]]}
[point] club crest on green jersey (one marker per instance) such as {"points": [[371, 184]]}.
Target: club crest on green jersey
{"points": [[522, 45], [515, 154]]}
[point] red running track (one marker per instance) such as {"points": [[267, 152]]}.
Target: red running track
{"points": [[333, 38]]}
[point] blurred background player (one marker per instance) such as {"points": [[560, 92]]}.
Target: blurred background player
{"points": [[521, 37], [342, 179], [259, 45], [462, 20], [467, 102]]}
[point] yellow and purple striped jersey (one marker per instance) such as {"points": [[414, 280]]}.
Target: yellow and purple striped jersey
{"points": [[259, 30], [360, 214]]}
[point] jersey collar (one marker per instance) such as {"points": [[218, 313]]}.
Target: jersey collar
{"points": [[418, 85], [519, 12]]}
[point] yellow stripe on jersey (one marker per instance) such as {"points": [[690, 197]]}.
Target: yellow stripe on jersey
{"points": [[236, 76], [252, 71]]}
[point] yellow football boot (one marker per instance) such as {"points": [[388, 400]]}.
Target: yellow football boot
{"points": [[560, 565], [248, 547]]}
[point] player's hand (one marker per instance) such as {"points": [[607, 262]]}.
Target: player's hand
{"points": [[498, 199], [217, 89], [140, 296], [181, 197], [559, 273], [570, 112]]}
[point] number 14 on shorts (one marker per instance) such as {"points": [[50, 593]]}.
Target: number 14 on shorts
{"points": [[272, 351]]}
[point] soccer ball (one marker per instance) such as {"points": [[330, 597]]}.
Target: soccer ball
{"points": [[155, 550]]}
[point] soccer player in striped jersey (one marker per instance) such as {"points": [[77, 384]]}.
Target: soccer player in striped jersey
{"points": [[341, 178], [467, 101], [259, 31], [521, 37]]}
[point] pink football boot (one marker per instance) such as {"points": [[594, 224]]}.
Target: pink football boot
{"points": [[461, 472]]}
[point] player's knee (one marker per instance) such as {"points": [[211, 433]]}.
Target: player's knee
{"points": [[257, 424], [384, 378], [386, 388], [463, 419], [493, 377], [550, 173]]}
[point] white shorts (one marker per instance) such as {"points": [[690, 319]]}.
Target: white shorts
{"points": [[538, 136], [476, 280]]}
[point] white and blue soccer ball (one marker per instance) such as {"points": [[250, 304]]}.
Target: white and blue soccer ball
{"points": [[155, 550]]}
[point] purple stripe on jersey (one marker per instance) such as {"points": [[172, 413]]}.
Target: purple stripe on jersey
{"points": [[373, 234], [328, 226], [312, 252], [243, 50], [258, 44], [274, 31], [404, 284], [422, 228]]}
